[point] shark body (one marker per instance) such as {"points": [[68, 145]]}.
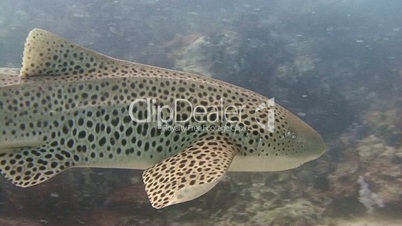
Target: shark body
{"points": [[69, 106]]}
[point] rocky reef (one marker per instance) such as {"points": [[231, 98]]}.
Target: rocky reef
{"points": [[213, 56], [374, 161]]}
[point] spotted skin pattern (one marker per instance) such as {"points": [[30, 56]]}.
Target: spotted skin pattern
{"points": [[203, 163], [69, 107]]}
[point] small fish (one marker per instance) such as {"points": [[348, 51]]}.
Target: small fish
{"points": [[69, 106]]}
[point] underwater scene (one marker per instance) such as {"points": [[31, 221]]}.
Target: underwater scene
{"points": [[257, 112]]}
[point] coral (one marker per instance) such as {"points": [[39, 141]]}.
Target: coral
{"points": [[381, 163], [368, 198], [387, 122], [381, 168], [300, 212], [212, 55], [343, 179], [12, 221], [194, 59], [300, 66]]}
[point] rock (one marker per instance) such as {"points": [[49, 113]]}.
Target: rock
{"points": [[212, 55], [300, 212]]}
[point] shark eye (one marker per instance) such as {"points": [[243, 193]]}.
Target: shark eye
{"points": [[290, 134]]}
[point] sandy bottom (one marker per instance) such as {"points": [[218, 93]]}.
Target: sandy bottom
{"points": [[365, 221]]}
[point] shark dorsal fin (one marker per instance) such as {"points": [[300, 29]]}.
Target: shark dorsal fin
{"points": [[48, 54]]}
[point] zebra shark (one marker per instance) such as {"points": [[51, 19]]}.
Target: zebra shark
{"points": [[69, 106]]}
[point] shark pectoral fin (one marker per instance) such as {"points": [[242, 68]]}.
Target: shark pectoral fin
{"points": [[190, 173]]}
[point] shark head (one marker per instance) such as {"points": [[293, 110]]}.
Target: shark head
{"points": [[278, 140], [303, 141]]}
